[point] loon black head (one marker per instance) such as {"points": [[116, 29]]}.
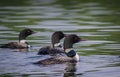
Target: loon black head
{"points": [[56, 37], [70, 40], [24, 33]]}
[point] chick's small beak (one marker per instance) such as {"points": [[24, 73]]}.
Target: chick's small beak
{"points": [[83, 40], [34, 32]]}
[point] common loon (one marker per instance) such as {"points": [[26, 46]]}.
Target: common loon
{"points": [[71, 55], [22, 42], [56, 37]]}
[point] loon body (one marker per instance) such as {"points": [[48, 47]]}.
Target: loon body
{"points": [[22, 42], [69, 56]]}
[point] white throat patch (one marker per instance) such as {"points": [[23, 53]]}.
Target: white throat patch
{"points": [[22, 41], [57, 44], [76, 57]]}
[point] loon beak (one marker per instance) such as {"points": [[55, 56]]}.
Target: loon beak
{"points": [[34, 32], [83, 40]]}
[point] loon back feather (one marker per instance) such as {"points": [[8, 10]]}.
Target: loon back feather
{"points": [[56, 60]]}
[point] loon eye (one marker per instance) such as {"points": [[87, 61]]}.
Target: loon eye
{"points": [[76, 39]]}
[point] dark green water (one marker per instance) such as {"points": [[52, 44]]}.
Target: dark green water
{"points": [[96, 21]]}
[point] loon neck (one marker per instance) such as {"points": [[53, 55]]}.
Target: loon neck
{"points": [[71, 53], [22, 36], [55, 41], [68, 50]]}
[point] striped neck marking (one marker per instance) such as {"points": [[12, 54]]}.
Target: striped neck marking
{"points": [[71, 53]]}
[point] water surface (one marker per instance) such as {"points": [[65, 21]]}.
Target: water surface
{"points": [[95, 21]]}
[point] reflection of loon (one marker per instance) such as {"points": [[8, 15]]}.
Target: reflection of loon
{"points": [[22, 42], [56, 37], [70, 70], [72, 56]]}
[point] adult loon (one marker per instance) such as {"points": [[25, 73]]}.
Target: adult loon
{"points": [[56, 37], [22, 42], [70, 56]]}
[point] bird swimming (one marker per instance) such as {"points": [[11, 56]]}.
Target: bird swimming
{"points": [[22, 40], [71, 55], [55, 40]]}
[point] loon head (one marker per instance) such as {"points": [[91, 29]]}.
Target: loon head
{"points": [[56, 37], [24, 33], [69, 41]]}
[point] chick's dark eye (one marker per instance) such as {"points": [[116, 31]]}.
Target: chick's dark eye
{"points": [[75, 38], [28, 31]]}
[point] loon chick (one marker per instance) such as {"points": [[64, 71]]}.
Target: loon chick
{"points": [[56, 37], [70, 56], [22, 42]]}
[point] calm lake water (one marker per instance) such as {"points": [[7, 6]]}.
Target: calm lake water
{"points": [[96, 21]]}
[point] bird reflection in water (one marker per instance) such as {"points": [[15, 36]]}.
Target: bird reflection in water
{"points": [[70, 70], [21, 50]]}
